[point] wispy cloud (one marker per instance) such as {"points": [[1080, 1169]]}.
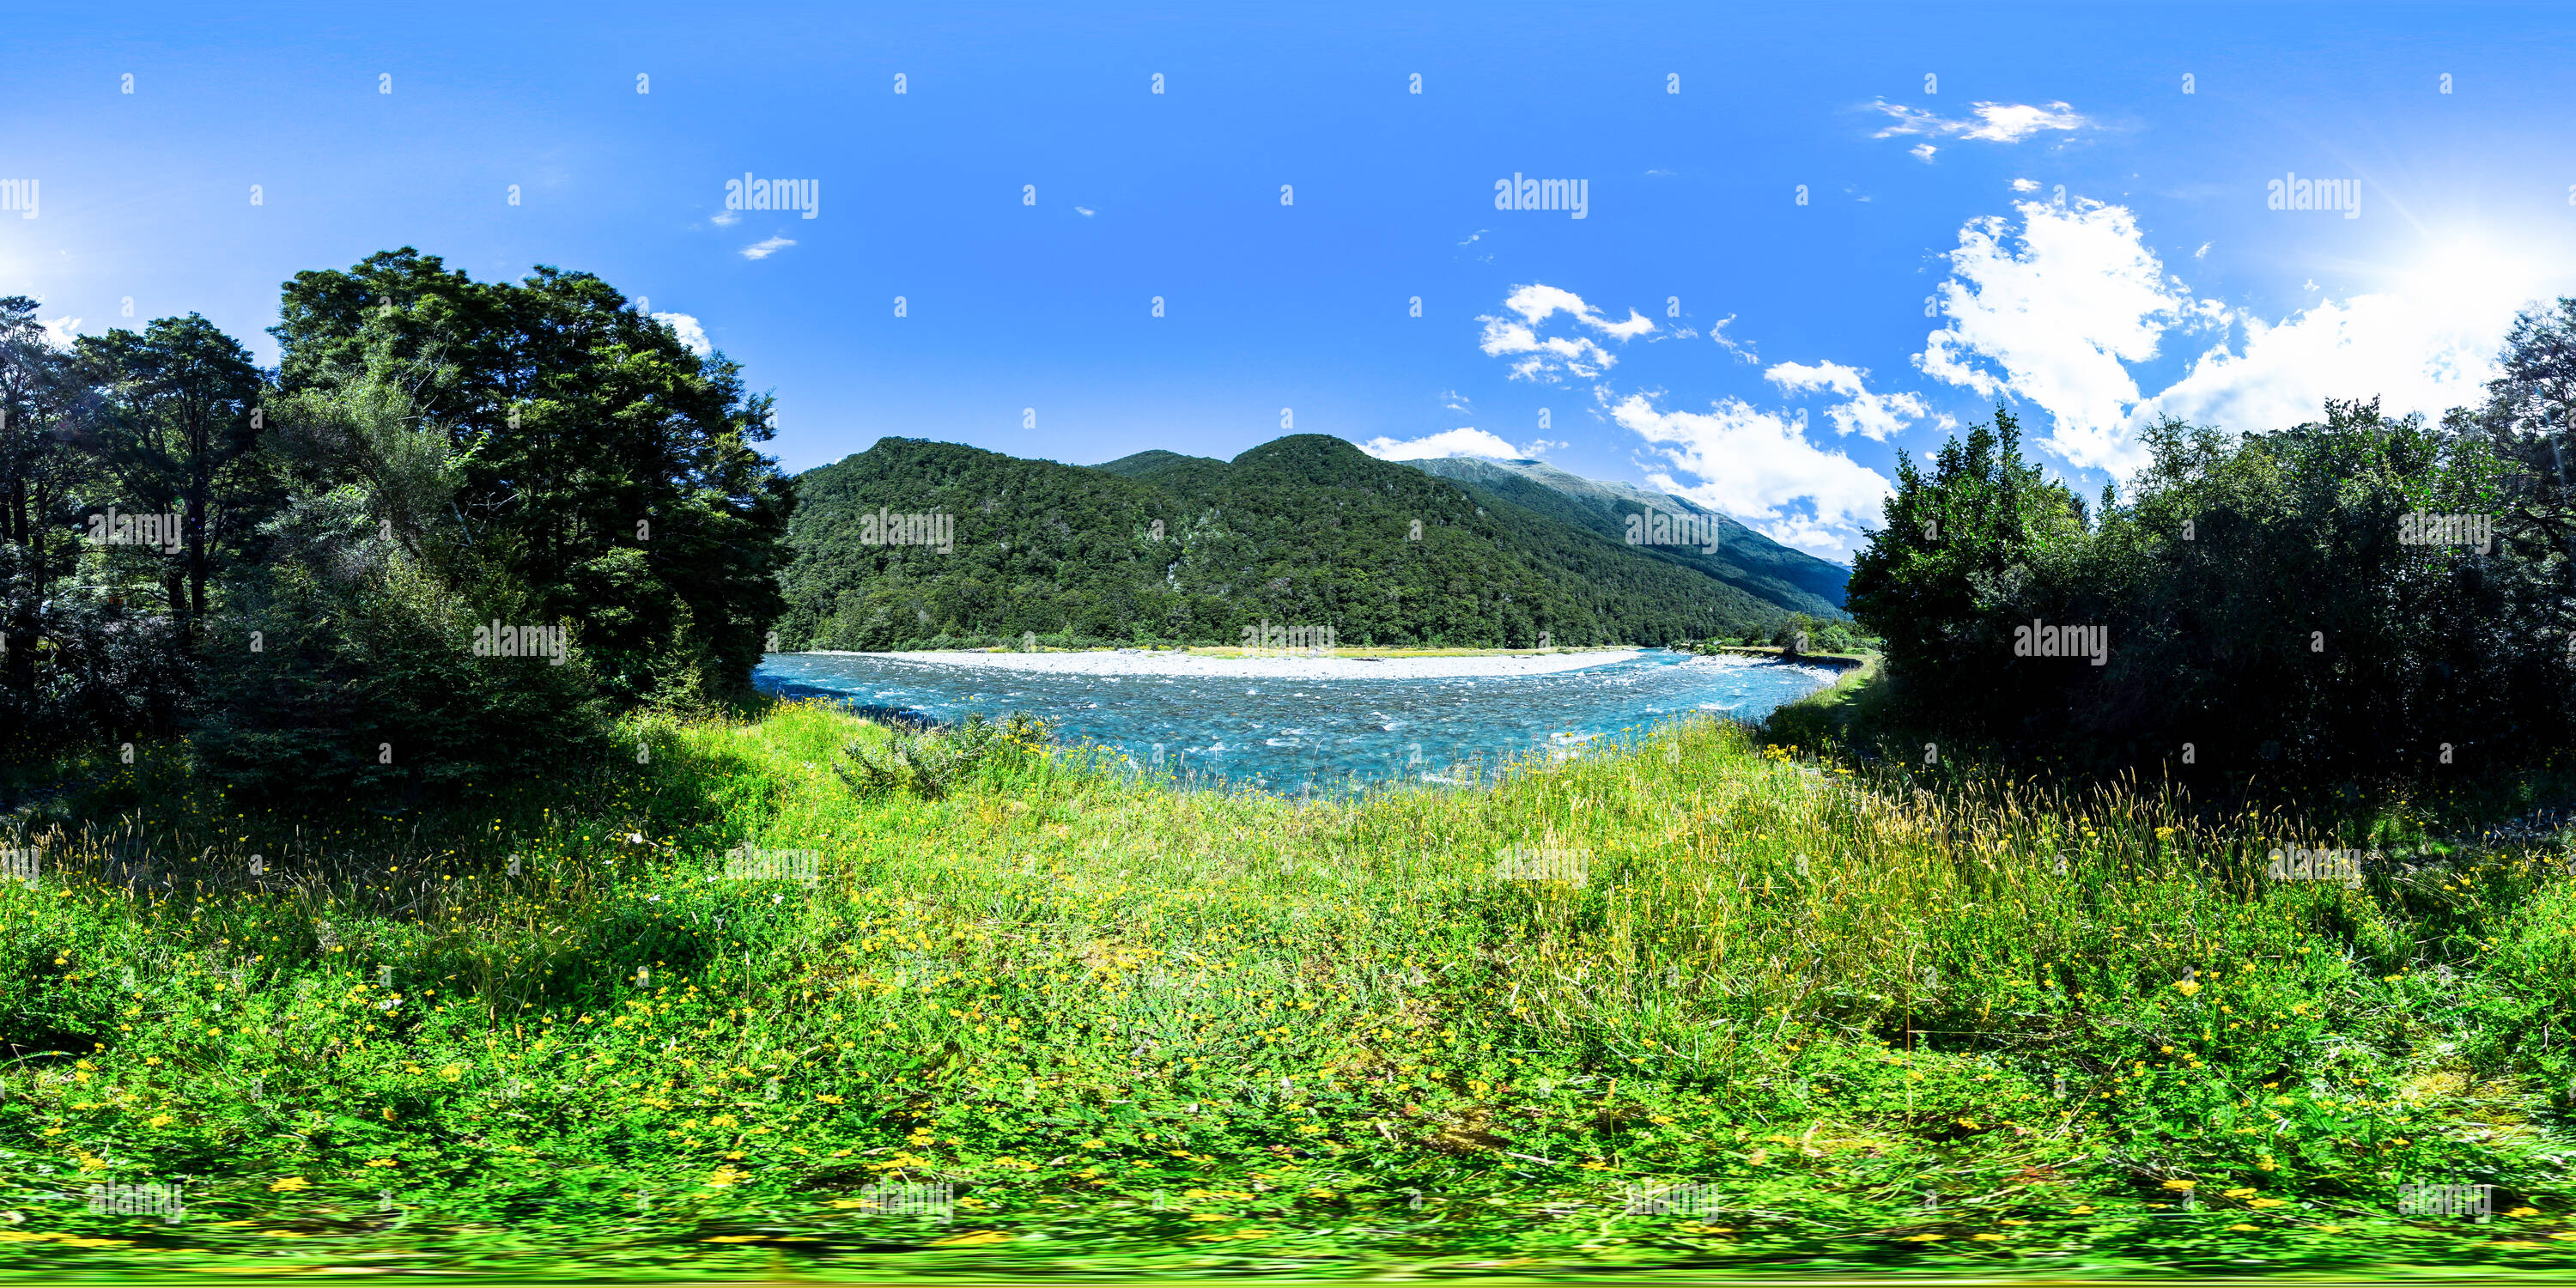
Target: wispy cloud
{"points": [[763, 250], [1085, 211], [1990, 122], [1743, 350], [725, 218]]}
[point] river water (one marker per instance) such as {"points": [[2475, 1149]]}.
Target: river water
{"points": [[1300, 736]]}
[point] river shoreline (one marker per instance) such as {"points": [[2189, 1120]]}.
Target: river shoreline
{"points": [[1342, 665]]}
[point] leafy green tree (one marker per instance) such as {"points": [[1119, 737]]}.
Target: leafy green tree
{"points": [[174, 416], [605, 467], [349, 667], [1964, 547]]}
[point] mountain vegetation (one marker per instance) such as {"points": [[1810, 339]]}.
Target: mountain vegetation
{"points": [[1302, 530]]}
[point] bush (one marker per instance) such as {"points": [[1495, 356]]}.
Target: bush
{"points": [[932, 764]]}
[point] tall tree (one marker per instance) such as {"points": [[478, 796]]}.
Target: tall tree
{"points": [[178, 413]]}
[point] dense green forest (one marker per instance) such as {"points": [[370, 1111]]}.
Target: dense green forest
{"points": [[1165, 547], [2272, 604], [432, 457]]}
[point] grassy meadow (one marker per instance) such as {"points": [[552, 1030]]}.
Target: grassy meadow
{"points": [[1888, 1026]]}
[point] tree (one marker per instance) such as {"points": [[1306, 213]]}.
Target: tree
{"points": [[174, 417], [605, 467]]}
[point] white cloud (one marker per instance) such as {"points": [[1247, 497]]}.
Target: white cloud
{"points": [[2412, 356], [1758, 466], [726, 218], [1922, 152], [1552, 358], [2203, 252], [763, 250], [1456, 401], [1994, 122], [692, 336], [1085, 211], [1743, 351], [2058, 317], [1451, 442], [59, 332], [2025, 185], [1874, 415], [2054, 318]]}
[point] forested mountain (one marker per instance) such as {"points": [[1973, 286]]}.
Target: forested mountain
{"points": [[1745, 559], [1305, 530]]}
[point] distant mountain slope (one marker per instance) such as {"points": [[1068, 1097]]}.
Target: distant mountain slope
{"points": [[1305, 530], [1745, 559]]}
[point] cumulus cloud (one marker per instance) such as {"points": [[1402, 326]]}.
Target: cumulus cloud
{"points": [[692, 336], [2412, 357], [61, 331], [1552, 358], [1451, 442], [1758, 466], [1922, 152], [2052, 314], [763, 250], [1874, 415], [1991, 122], [2057, 312], [1752, 463], [2025, 185]]}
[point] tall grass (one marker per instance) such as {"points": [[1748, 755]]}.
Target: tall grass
{"points": [[1892, 1021]]}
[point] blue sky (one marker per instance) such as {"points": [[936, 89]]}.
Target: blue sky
{"points": [[2095, 243]]}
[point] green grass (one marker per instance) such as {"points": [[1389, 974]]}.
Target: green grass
{"points": [[1148, 1031]]}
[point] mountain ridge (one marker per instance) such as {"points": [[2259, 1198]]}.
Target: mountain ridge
{"points": [[1163, 546]]}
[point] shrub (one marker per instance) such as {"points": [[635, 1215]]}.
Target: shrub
{"points": [[931, 764]]}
